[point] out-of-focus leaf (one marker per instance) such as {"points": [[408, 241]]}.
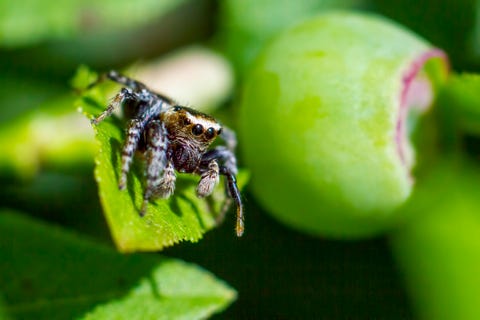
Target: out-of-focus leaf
{"points": [[438, 250], [31, 21], [53, 134], [182, 217], [19, 95], [48, 273]]}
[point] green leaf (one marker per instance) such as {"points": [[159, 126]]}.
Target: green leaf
{"points": [[33, 21], [460, 100], [48, 273], [181, 217]]}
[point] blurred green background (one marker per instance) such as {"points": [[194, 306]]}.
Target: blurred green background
{"points": [[47, 149]]}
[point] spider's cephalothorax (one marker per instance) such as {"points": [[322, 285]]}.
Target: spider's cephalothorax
{"points": [[172, 137]]}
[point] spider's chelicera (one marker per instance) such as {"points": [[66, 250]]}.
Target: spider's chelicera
{"points": [[172, 137]]}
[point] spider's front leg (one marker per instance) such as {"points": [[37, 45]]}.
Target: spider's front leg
{"points": [[234, 193], [118, 78], [133, 132], [209, 170], [124, 94]]}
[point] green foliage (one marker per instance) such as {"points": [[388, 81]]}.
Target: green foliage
{"points": [[31, 140], [31, 21], [182, 217], [48, 273]]}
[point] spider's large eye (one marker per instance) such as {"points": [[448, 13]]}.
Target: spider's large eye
{"points": [[197, 129], [210, 133], [177, 108]]}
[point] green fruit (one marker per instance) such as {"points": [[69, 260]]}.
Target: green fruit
{"points": [[323, 121]]}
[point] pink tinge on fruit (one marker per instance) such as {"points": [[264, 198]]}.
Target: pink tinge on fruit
{"points": [[417, 93]]}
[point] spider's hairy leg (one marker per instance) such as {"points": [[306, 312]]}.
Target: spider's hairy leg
{"points": [[117, 100], [156, 157], [223, 155], [228, 169], [166, 186], [209, 179], [126, 81], [134, 130], [117, 77], [234, 193]]}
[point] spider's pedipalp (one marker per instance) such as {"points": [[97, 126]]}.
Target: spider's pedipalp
{"points": [[208, 179]]}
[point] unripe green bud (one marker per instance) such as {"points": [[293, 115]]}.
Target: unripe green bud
{"points": [[323, 121]]}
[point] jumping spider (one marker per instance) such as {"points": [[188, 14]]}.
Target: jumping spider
{"points": [[172, 137]]}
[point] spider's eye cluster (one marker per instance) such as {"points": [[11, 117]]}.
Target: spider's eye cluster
{"points": [[197, 123]]}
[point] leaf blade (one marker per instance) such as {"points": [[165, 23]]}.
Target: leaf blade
{"points": [[48, 273]]}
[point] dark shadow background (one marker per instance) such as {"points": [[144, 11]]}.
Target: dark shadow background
{"points": [[282, 274]]}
